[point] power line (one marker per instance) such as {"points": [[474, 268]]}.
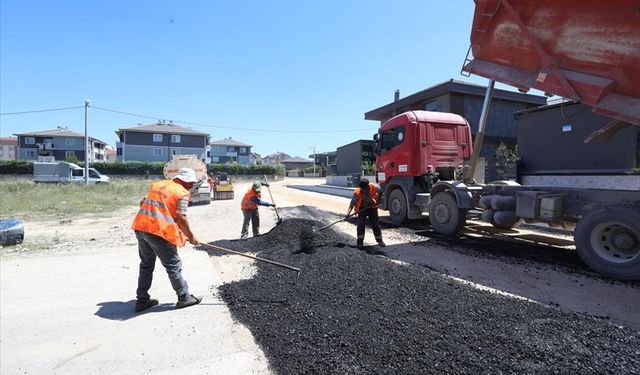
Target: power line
{"points": [[40, 110], [227, 127], [190, 122]]}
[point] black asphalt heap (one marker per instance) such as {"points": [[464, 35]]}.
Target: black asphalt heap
{"points": [[351, 312]]}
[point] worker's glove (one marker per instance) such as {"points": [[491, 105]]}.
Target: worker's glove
{"points": [[194, 241]]}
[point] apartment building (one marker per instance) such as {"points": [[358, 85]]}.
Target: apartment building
{"points": [[160, 142], [60, 143]]}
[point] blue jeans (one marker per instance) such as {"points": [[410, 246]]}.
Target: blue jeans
{"points": [[149, 247]]}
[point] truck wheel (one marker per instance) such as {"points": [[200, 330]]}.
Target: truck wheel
{"points": [[397, 207], [445, 215], [608, 241]]}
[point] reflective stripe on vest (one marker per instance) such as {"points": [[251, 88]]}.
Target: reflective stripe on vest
{"points": [[247, 203], [157, 214], [373, 190]]}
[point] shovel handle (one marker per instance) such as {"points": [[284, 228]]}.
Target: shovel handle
{"points": [[272, 201], [344, 218], [251, 256]]}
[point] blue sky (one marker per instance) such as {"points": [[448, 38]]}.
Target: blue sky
{"points": [[283, 66]]}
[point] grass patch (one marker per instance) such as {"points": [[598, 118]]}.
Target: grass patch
{"points": [[26, 200]]}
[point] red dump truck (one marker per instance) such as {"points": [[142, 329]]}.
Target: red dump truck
{"points": [[589, 53]]}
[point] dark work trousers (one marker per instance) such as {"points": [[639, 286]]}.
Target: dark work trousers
{"points": [[149, 247], [254, 217], [372, 214]]}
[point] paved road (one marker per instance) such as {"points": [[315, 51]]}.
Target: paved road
{"points": [[68, 310]]}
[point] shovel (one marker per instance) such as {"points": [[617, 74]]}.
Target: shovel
{"points": [[270, 195], [252, 257], [308, 235], [343, 219]]}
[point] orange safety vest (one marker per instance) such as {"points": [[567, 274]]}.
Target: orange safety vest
{"points": [[373, 190], [247, 203], [157, 214]]}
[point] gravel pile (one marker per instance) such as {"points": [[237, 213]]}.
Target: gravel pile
{"points": [[351, 312]]}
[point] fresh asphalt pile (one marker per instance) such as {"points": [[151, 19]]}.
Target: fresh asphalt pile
{"points": [[351, 312]]}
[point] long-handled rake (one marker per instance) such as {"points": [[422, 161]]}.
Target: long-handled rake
{"points": [[252, 257], [272, 201]]}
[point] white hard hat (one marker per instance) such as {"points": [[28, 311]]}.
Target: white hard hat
{"points": [[186, 175]]}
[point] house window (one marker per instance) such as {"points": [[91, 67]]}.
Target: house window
{"points": [[243, 150], [215, 159], [70, 142], [217, 150], [175, 138], [31, 153], [157, 138], [69, 154], [231, 149], [432, 106], [29, 140], [157, 151]]}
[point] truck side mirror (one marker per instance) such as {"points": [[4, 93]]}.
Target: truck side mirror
{"points": [[376, 137]]}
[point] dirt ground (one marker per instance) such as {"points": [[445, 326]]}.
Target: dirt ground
{"points": [[67, 298]]}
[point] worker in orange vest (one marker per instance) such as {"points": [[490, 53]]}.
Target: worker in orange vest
{"points": [[161, 227], [249, 205], [365, 201]]}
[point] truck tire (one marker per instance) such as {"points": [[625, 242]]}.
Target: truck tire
{"points": [[608, 241], [445, 215], [397, 207]]}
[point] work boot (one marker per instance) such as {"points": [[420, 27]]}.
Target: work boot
{"points": [[140, 306], [360, 244], [192, 300], [381, 243]]}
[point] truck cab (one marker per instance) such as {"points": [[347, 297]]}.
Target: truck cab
{"points": [[415, 150], [95, 177]]}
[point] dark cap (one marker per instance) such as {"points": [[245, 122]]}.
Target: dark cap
{"points": [[364, 183]]}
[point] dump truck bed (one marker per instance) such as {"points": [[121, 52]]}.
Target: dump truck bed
{"points": [[588, 50]]}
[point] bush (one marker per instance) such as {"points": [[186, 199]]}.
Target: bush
{"points": [[144, 168], [16, 167], [251, 169]]}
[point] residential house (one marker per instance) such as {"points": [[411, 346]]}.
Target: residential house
{"points": [[112, 154], [296, 163], [275, 158], [160, 142], [465, 99], [228, 150], [60, 143], [326, 161], [8, 148], [351, 157], [255, 158]]}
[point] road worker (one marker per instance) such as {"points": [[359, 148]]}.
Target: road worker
{"points": [[161, 227], [365, 202], [249, 205]]}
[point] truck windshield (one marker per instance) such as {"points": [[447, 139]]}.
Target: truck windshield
{"points": [[391, 138], [93, 173]]}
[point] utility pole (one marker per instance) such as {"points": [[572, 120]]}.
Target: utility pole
{"points": [[314, 161], [86, 144]]}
